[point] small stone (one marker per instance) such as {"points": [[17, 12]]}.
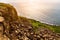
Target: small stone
{"points": [[24, 33], [32, 33], [1, 19], [45, 35], [38, 36], [51, 38], [28, 34], [27, 30], [25, 38]]}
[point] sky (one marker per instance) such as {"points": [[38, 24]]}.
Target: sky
{"points": [[30, 0], [36, 9]]}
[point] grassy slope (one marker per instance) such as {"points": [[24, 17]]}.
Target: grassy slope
{"points": [[37, 24]]}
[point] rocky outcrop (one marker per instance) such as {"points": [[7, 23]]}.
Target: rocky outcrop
{"points": [[8, 12]]}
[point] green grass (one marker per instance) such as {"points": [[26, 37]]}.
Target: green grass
{"points": [[37, 24]]}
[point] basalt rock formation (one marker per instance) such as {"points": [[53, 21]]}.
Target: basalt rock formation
{"points": [[13, 27]]}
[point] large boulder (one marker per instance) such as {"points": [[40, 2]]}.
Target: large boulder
{"points": [[8, 12]]}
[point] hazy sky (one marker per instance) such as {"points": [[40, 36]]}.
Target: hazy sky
{"points": [[37, 9], [31, 0], [33, 7]]}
